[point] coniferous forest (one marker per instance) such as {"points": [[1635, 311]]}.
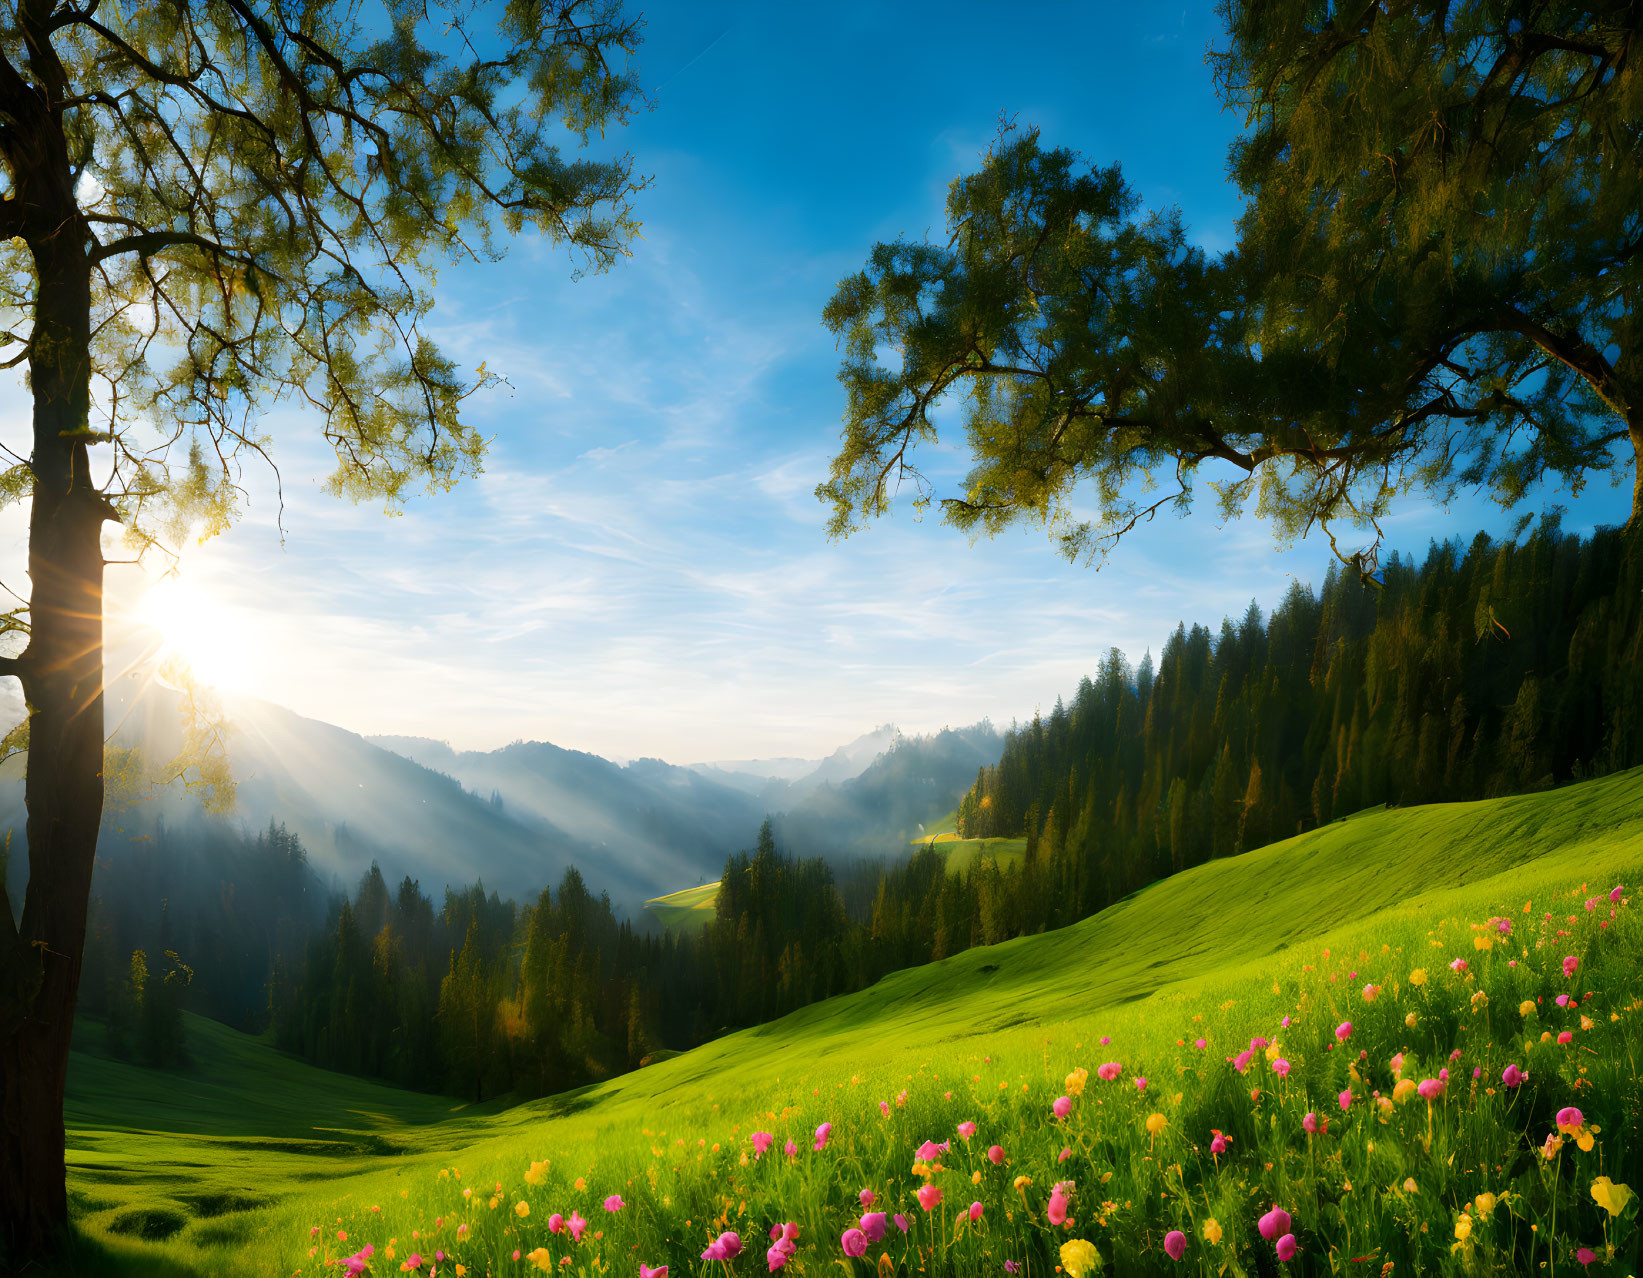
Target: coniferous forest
{"points": [[1486, 669]]}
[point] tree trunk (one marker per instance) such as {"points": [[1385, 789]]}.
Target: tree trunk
{"points": [[1634, 428], [62, 676]]}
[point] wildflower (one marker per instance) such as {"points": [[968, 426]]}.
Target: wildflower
{"points": [[1483, 941], [1411, 1020], [1010, 1267], [645, 1271], [1409, 1186], [1554, 1142], [901, 1222], [1369, 992], [1431, 1088], [1585, 1255], [1062, 1107], [521, 1209], [1565, 1037], [1463, 1228], [1615, 896], [1065, 1154], [1021, 1182], [727, 1246], [966, 1130], [1076, 1081], [1484, 1205], [614, 1203], [556, 1222], [1406, 1088], [1569, 1118], [872, 1224], [1397, 1063], [867, 1196], [1201, 1044], [1140, 1084], [762, 1141], [822, 1134], [1280, 1067], [1346, 1099], [1526, 1008], [1480, 999], [1175, 1244], [1418, 976], [1562, 1000], [1156, 1124], [996, 1155], [1212, 1231], [1512, 1076], [1079, 1258], [1108, 1072], [1219, 1144], [1241, 1061], [884, 1108], [541, 1259], [577, 1226], [854, 1242], [537, 1174], [975, 1212], [1057, 1210], [1459, 965], [1343, 1031], [928, 1197], [927, 1152], [1287, 1247], [1274, 1223], [1570, 964], [1608, 1195], [1310, 1124], [790, 1149]]}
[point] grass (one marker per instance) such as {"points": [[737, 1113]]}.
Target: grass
{"points": [[687, 908], [1223, 950]]}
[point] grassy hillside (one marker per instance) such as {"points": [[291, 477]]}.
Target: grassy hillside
{"points": [[689, 907], [1222, 952]]}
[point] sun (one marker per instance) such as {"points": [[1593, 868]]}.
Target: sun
{"points": [[217, 646]]}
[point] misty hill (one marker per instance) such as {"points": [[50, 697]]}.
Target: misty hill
{"points": [[782, 783]]}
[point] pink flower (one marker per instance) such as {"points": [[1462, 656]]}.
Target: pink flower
{"points": [[1140, 1084], [645, 1271], [1563, 1000], [556, 1222], [1343, 1031], [1459, 965], [1219, 1144], [1062, 1107], [1585, 1255], [1615, 895], [727, 1246], [1066, 1153], [614, 1203], [966, 1130], [1105, 1040], [975, 1212], [996, 1154], [1111, 1070], [1272, 1224], [1280, 1067], [1346, 1099], [577, 1226], [1201, 1044], [1287, 1247], [1310, 1123], [1369, 992], [1241, 1061], [1175, 1244], [790, 1149], [1591, 904], [1397, 1063], [901, 1222], [762, 1141], [1569, 1118], [854, 1242], [1569, 965], [782, 1246], [927, 1152], [1477, 1071], [1504, 926], [1430, 1088], [822, 1134], [928, 1197], [901, 1099], [1057, 1210], [884, 1108], [1258, 1044], [867, 1196], [1284, 1024], [872, 1224], [1512, 1076], [1566, 1037]]}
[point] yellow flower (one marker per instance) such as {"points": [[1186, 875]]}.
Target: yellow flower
{"points": [[495, 1203], [1418, 976], [1156, 1124], [1384, 1104], [1463, 1227], [1409, 1186], [1480, 999], [1583, 1137], [1585, 1022], [1610, 1196], [1526, 1008], [1021, 1182], [1212, 1230], [521, 1209], [1079, 1257], [538, 1173], [582, 1184], [1076, 1080], [1411, 1020], [1483, 941], [1406, 1088], [1484, 1205], [541, 1260], [1272, 1051], [975, 1178]]}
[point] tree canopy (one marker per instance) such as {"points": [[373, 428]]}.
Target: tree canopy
{"points": [[1434, 288]]}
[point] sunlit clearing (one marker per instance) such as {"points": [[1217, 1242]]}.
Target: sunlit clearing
{"points": [[216, 646]]}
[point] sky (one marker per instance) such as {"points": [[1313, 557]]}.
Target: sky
{"points": [[642, 569]]}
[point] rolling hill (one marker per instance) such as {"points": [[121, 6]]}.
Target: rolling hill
{"points": [[1223, 947]]}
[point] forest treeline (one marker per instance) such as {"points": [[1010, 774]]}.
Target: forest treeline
{"points": [[1487, 669]]}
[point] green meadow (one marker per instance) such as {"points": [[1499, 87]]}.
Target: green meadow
{"points": [[687, 908], [251, 1163]]}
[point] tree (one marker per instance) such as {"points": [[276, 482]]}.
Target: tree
{"points": [[1435, 287], [208, 209]]}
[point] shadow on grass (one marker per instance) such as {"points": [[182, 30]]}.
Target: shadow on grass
{"points": [[85, 1255]]}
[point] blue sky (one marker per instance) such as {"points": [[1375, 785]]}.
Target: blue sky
{"points": [[642, 569]]}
